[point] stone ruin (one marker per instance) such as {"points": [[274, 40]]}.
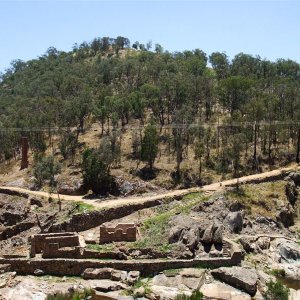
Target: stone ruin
{"points": [[48, 244], [123, 232]]}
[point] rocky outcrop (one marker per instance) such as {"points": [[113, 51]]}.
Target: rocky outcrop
{"points": [[221, 291], [213, 234], [289, 250], [238, 277], [235, 221], [286, 216]]}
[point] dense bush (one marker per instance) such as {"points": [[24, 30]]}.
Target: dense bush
{"points": [[276, 291]]}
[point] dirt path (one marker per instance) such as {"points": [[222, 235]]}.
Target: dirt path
{"points": [[121, 201]]}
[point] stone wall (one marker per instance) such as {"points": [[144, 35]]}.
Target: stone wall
{"points": [[82, 222], [75, 267], [39, 242], [122, 232], [13, 230]]}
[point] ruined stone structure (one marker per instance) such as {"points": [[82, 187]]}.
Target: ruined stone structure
{"points": [[47, 243], [75, 267], [25, 147], [123, 232]]}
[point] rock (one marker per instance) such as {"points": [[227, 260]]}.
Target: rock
{"points": [[294, 295], [101, 273], [235, 221], [208, 235], [293, 176], [175, 234], [140, 292], [221, 291], [104, 296], [161, 279], [117, 275], [133, 276], [5, 268], [38, 272], [288, 250], [190, 272], [286, 216], [190, 238], [126, 188], [106, 285], [263, 243], [74, 187], [164, 292], [238, 277], [213, 234], [37, 202], [218, 235], [236, 206], [291, 192]]}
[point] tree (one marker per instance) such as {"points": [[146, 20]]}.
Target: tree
{"points": [[45, 168], [149, 148], [199, 150], [96, 172]]}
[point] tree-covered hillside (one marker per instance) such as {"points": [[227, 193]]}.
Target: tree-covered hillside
{"points": [[224, 110]]}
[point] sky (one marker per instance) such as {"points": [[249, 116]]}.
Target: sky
{"points": [[266, 28]]}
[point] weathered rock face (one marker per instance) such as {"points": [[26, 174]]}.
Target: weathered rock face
{"points": [[238, 277], [213, 234], [107, 285], [221, 291], [235, 221], [286, 216], [291, 192], [289, 250]]}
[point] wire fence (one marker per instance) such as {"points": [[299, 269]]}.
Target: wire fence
{"points": [[167, 126]]}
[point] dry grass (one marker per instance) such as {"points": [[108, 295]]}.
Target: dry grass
{"points": [[260, 199]]}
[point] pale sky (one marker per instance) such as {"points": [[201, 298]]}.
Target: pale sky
{"points": [[267, 28]]}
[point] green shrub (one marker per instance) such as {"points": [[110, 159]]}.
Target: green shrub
{"points": [[96, 172], [45, 168], [276, 291], [197, 295], [82, 295]]}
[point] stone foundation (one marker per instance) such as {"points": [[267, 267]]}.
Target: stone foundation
{"points": [[123, 232], [45, 243]]}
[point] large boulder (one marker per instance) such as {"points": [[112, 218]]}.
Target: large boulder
{"points": [[288, 250], [238, 277], [286, 216], [221, 291], [235, 221], [248, 242], [213, 234], [107, 285], [291, 192]]}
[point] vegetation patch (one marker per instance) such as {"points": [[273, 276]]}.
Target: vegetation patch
{"points": [[276, 291], [196, 295], [259, 199], [80, 207], [155, 229], [77, 295]]}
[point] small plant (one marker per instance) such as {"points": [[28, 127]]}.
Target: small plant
{"points": [[77, 295], [196, 295], [140, 289], [81, 207], [278, 273], [276, 291]]}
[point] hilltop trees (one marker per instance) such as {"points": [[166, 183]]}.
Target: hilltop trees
{"points": [[176, 91]]}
